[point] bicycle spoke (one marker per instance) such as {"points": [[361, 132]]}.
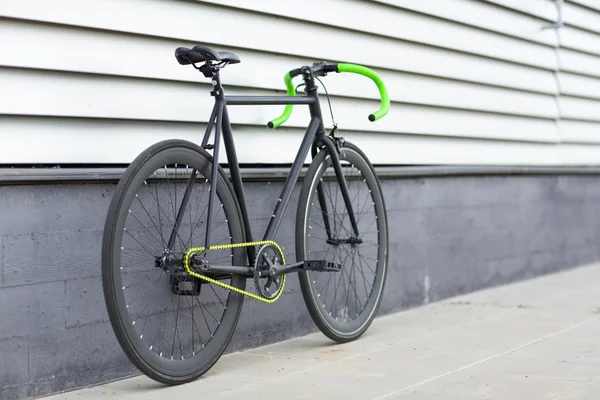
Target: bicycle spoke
{"points": [[342, 295], [166, 317]]}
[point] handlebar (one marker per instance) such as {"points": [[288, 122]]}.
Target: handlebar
{"points": [[291, 91], [353, 68]]}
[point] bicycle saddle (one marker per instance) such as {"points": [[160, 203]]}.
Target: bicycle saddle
{"points": [[200, 53]]}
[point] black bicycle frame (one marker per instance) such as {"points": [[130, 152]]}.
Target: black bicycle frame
{"points": [[313, 138]]}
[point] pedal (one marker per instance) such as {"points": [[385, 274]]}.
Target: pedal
{"points": [[183, 284], [322, 265]]}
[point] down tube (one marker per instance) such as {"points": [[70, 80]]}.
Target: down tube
{"points": [[286, 193]]}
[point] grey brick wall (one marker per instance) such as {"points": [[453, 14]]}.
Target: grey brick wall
{"points": [[448, 236]]}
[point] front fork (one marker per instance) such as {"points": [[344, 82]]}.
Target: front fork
{"points": [[334, 145]]}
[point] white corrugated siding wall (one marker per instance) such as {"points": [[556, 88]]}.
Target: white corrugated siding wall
{"points": [[579, 81], [471, 82]]}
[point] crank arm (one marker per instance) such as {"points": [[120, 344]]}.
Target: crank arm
{"points": [[224, 269], [274, 271], [307, 265], [277, 270]]}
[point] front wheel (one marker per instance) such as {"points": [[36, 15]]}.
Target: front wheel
{"points": [[342, 304]]}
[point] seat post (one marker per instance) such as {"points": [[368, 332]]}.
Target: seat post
{"points": [[217, 91]]}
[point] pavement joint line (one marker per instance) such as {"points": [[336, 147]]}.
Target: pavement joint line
{"points": [[559, 332], [320, 364], [499, 311], [568, 390], [576, 387], [332, 362]]}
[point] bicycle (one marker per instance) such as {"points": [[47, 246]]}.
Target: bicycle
{"points": [[160, 260]]}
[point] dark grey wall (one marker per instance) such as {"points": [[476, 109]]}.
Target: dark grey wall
{"points": [[448, 236]]}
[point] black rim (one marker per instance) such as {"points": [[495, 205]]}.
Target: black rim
{"points": [[346, 300], [174, 334]]}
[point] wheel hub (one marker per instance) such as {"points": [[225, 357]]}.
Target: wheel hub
{"points": [[168, 261], [180, 282]]}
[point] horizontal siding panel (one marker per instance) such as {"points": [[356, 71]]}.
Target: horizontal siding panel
{"points": [[540, 8], [579, 82], [579, 131], [577, 39], [400, 24], [415, 150], [99, 50], [432, 91], [581, 17], [580, 154], [576, 62], [122, 98], [483, 15], [118, 142], [268, 33], [593, 4], [580, 109], [440, 121], [579, 85]]}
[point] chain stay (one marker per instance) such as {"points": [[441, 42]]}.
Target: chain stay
{"points": [[186, 264]]}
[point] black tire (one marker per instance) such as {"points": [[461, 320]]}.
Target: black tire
{"points": [[348, 321], [138, 245]]}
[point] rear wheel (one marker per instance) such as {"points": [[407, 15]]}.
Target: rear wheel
{"points": [[342, 304], [172, 326]]}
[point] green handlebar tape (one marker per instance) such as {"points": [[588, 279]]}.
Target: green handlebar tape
{"points": [[356, 69], [369, 73], [291, 91]]}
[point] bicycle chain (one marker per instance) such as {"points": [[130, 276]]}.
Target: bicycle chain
{"points": [[186, 265]]}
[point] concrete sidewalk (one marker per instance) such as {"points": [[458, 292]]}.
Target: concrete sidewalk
{"points": [[538, 339]]}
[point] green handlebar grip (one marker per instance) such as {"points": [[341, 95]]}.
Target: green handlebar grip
{"points": [[369, 73], [291, 91]]}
